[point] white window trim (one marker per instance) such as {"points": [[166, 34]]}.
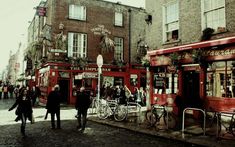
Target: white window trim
{"points": [[83, 48], [83, 15], [122, 53], [203, 18], [117, 24], [164, 36]]}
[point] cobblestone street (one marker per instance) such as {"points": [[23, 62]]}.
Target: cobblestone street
{"points": [[40, 134]]}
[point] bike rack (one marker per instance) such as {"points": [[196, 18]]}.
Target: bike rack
{"points": [[204, 120], [137, 105]]}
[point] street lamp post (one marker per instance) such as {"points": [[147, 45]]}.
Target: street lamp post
{"points": [[99, 62]]}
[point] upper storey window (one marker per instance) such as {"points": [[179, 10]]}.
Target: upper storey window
{"points": [[171, 22], [77, 12], [214, 14], [118, 19]]}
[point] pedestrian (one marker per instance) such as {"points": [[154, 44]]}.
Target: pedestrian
{"points": [[24, 110], [5, 91], [34, 94], [180, 106], [1, 89], [82, 104], [53, 106], [17, 91]]}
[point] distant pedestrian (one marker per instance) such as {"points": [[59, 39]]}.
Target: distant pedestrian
{"points": [[24, 110], [5, 91], [35, 93], [1, 89], [53, 106], [17, 91], [82, 104]]}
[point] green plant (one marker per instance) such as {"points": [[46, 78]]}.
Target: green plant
{"points": [[145, 61], [174, 59], [197, 56], [82, 61]]}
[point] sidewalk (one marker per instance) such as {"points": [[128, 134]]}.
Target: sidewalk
{"points": [[197, 139]]}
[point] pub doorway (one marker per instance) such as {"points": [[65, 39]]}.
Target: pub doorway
{"points": [[191, 89], [64, 90]]}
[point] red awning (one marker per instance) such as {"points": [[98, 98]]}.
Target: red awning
{"points": [[202, 44]]}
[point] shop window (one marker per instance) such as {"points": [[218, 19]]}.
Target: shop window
{"points": [[165, 83], [88, 83], [134, 79], [220, 79]]}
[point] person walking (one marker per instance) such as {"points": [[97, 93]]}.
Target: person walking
{"points": [[1, 89], [24, 110], [53, 106], [5, 91], [82, 104]]}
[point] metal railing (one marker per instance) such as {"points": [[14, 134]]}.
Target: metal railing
{"points": [[204, 119]]}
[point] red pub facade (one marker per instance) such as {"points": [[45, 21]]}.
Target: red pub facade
{"points": [[202, 72]]}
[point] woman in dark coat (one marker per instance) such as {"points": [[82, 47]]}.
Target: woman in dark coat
{"points": [[24, 109]]}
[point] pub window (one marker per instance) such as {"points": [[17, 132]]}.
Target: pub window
{"points": [[134, 79], [165, 83], [220, 79]]}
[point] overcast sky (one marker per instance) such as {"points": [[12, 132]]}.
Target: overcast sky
{"points": [[15, 16]]}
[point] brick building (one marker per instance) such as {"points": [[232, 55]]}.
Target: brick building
{"points": [[193, 46], [65, 38]]}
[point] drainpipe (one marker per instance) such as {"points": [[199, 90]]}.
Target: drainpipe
{"points": [[129, 46]]}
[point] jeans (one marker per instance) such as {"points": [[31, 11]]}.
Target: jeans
{"points": [[82, 118], [57, 113]]}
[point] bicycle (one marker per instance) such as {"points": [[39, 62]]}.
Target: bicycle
{"points": [[112, 108], [159, 112], [228, 126]]}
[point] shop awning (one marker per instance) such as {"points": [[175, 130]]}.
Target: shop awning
{"points": [[191, 46]]}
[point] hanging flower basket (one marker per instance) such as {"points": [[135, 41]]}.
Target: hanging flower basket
{"points": [[197, 56], [175, 57], [145, 61]]}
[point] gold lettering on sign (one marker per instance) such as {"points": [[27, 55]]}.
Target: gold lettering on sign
{"points": [[219, 52]]}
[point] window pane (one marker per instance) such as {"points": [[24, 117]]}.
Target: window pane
{"points": [[118, 19], [77, 12], [77, 45], [220, 80], [118, 51]]}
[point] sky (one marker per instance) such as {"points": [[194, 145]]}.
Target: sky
{"points": [[15, 16]]}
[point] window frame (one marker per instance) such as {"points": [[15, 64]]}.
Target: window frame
{"points": [[167, 24], [121, 47], [117, 22], [80, 46], [76, 15], [204, 11]]}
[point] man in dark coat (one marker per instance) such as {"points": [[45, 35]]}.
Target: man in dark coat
{"points": [[53, 106], [82, 105]]}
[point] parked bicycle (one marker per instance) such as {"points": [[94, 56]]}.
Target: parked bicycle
{"points": [[159, 112], [227, 124], [111, 108]]}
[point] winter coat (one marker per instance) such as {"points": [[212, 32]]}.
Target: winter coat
{"points": [[23, 106], [83, 101], [53, 102]]}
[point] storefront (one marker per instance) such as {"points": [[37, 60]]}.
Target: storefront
{"points": [[203, 73], [71, 78]]}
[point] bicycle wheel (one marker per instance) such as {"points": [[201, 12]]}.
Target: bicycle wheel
{"points": [[151, 118], [172, 120], [102, 111], [232, 125], [120, 113]]}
